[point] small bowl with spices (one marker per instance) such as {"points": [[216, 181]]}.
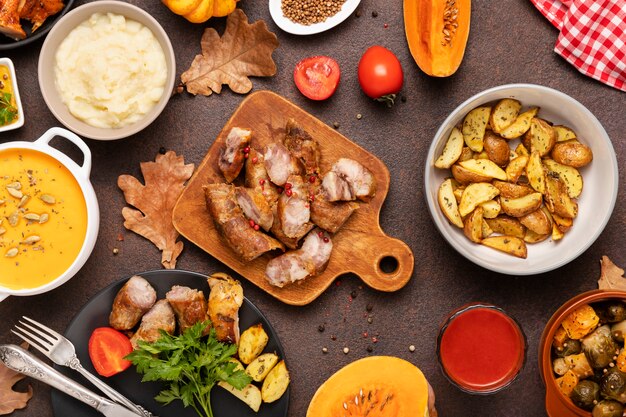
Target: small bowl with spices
{"points": [[49, 214], [107, 70], [326, 14], [11, 112]]}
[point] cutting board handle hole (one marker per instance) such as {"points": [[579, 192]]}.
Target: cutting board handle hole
{"points": [[388, 264]]}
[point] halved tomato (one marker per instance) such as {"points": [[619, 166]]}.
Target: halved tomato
{"points": [[107, 349], [317, 77]]}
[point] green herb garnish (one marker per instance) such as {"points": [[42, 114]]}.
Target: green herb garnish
{"points": [[8, 112], [191, 365]]}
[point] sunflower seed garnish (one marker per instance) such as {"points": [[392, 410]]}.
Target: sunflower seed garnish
{"points": [[15, 193], [31, 239], [24, 200], [43, 218], [15, 185], [48, 199], [32, 216], [11, 253]]}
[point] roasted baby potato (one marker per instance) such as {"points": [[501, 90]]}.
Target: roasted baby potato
{"points": [[570, 175], [476, 194], [452, 150], [508, 244], [556, 197], [251, 343], [519, 207], [504, 113], [506, 225], [532, 237], [474, 225], [484, 167], [448, 204], [537, 222], [541, 137], [496, 148], [510, 190], [466, 153], [491, 209], [276, 383], [567, 382], [535, 173], [564, 133], [520, 125], [474, 126], [465, 176], [580, 322], [250, 394], [516, 168], [572, 153], [261, 366]]}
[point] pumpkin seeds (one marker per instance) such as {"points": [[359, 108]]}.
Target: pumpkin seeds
{"points": [[15, 193], [24, 200], [450, 24], [13, 219], [48, 199], [11, 253], [31, 239], [15, 185], [32, 216], [43, 218]]}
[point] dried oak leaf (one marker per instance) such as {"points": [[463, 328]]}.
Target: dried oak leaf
{"points": [[165, 180], [244, 50], [12, 400], [611, 276]]}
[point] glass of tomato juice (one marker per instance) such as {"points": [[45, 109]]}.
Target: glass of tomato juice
{"points": [[480, 348]]}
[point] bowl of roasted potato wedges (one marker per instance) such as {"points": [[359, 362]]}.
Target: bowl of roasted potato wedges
{"points": [[521, 179]]}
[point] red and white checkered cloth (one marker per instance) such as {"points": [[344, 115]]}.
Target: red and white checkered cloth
{"points": [[592, 38]]}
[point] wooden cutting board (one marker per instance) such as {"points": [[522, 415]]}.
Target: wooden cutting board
{"points": [[358, 247]]}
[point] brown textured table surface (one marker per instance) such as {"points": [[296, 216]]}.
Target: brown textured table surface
{"points": [[509, 42]]}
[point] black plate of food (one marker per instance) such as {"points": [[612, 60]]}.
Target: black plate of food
{"points": [[7, 42], [96, 314]]}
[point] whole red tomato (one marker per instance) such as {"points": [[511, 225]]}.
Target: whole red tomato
{"points": [[380, 74]]}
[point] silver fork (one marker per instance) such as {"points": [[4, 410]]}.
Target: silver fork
{"points": [[62, 352]]}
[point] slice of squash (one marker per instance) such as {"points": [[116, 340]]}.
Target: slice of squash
{"points": [[376, 386], [437, 32]]}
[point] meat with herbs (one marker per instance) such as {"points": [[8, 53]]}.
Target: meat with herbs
{"points": [[255, 207], [10, 20], [232, 156], [331, 216], [160, 317], [257, 178], [310, 260], [280, 164], [230, 221], [133, 300], [336, 188], [189, 305], [294, 208], [37, 11], [302, 146], [225, 299], [359, 179]]}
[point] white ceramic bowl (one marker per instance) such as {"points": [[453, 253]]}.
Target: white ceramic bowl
{"points": [[595, 204], [294, 28], [18, 103], [81, 174], [47, 62]]}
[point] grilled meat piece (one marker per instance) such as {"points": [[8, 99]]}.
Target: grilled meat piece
{"points": [[232, 155], [189, 305], [225, 299], [132, 301], [294, 209], [310, 260], [360, 180], [302, 146], [255, 207], [280, 164], [257, 178], [10, 19], [37, 11], [248, 243], [331, 216], [160, 317], [277, 231]]}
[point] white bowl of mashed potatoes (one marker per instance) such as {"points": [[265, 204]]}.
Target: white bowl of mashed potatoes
{"points": [[107, 70]]}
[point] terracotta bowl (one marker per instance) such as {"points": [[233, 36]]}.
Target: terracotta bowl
{"points": [[557, 404]]}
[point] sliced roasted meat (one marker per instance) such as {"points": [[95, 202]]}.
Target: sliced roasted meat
{"points": [[189, 305], [224, 302], [37, 11], [248, 243], [277, 231], [360, 180], [331, 216], [302, 146], [132, 301], [310, 260], [257, 178], [10, 19], [294, 209], [255, 207], [160, 317], [232, 155], [280, 164]]}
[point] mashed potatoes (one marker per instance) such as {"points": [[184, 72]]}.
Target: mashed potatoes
{"points": [[110, 71]]}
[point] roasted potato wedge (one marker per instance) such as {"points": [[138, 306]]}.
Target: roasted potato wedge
{"points": [[451, 151], [507, 244], [572, 153], [474, 126], [564, 133], [533, 237], [484, 167], [520, 125], [261, 366], [448, 203], [518, 207], [474, 225], [541, 137], [567, 382], [506, 225], [251, 343], [570, 175], [458, 193], [516, 168], [563, 223], [466, 154], [557, 199], [521, 150], [465, 176], [487, 231], [250, 394], [276, 383], [504, 113], [491, 209], [557, 234], [538, 222], [496, 148], [510, 190], [476, 194], [535, 173]]}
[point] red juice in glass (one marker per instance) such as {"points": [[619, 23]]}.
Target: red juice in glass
{"points": [[481, 349]]}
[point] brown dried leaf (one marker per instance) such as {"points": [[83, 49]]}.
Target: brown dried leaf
{"points": [[244, 50], [611, 276], [165, 180], [12, 400]]}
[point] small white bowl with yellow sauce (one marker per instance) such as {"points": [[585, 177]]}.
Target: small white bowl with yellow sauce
{"points": [[49, 214]]}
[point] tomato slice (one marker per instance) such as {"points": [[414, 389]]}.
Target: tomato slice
{"points": [[317, 77], [107, 348]]}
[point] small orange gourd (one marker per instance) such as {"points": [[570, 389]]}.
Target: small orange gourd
{"points": [[376, 386], [437, 33]]}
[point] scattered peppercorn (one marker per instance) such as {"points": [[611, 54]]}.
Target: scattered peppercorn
{"points": [[386, 25], [307, 12], [403, 99], [358, 13], [324, 349], [374, 13], [333, 337], [162, 150], [321, 328], [116, 251], [353, 294], [346, 350], [359, 116], [336, 125], [369, 307], [370, 320], [369, 349], [412, 348]]}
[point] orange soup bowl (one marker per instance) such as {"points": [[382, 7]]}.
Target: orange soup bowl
{"points": [[49, 214], [557, 404]]}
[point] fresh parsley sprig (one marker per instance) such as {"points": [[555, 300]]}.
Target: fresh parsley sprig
{"points": [[8, 112], [190, 364]]}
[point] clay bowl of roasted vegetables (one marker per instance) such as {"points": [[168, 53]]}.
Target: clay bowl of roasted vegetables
{"points": [[521, 179], [582, 357]]}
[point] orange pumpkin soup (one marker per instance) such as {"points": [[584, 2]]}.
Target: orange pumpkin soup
{"points": [[43, 218]]}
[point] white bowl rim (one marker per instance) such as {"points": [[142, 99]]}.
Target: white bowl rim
{"points": [[81, 174], [101, 133], [298, 29], [465, 251], [16, 93]]}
